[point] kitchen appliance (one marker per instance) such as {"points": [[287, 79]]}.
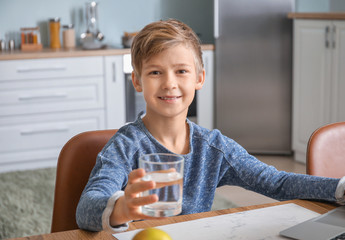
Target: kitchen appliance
{"points": [[92, 38], [253, 60], [135, 102]]}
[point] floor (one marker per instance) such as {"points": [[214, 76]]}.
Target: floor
{"points": [[242, 197]]}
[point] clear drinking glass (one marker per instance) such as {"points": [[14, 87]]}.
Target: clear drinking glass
{"points": [[167, 171]]}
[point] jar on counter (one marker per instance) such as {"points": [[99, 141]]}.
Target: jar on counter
{"points": [[30, 35], [54, 29], [68, 36]]}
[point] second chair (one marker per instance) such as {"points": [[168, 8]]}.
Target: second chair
{"points": [[326, 151]]}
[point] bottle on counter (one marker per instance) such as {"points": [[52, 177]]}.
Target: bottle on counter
{"points": [[30, 35], [54, 30], [68, 36]]}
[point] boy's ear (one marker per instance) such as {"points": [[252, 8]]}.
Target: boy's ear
{"points": [[200, 80], [136, 82]]}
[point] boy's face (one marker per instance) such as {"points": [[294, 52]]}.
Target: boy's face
{"points": [[168, 81]]}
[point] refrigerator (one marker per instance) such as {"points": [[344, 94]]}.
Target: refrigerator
{"points": [[253, 73]]}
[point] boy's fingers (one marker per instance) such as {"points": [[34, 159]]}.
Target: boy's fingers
{"points": [[134, 189], [136, 175], [137, 202]]}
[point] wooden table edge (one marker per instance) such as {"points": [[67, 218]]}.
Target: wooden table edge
{"points": [[319, 207]]}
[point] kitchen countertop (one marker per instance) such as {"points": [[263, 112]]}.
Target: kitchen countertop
{"points": [[78, 52], [320, 16]]}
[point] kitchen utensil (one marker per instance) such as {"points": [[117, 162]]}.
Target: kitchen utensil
{"points": [[2, 45], [92, 38], [11, 45]]}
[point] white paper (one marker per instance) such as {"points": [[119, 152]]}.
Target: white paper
{"points": [[263, 223]]}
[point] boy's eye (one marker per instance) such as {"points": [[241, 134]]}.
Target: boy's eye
{"points": [[154, 72], [182, 71]]}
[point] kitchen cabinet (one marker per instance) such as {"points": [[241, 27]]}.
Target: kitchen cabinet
{"points": [[318, 78], [44, 102]]}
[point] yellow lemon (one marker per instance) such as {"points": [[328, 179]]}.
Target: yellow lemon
{"points": [[152, 234]]}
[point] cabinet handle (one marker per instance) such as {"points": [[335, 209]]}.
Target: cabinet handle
{"points": [[327, 36], [216, 19], [40, 69], [34, 97], [334, 34], [114, 71], [41, 131]]}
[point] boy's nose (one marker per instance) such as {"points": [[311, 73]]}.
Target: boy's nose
{"points": [[169, 81]]}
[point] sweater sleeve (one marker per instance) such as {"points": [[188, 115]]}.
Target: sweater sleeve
{"points": [[340, 192], [248, 172], [108, 211]]}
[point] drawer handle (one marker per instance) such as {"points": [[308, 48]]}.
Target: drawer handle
{"points": [[334, 34], [41, 69], [42, 131], [114, 71], [34, 97], [327, 36]]}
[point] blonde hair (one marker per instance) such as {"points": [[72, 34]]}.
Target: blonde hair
{"points": [[161, 35]]}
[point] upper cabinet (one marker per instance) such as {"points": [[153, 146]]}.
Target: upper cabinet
{"points": [[318, 78]]}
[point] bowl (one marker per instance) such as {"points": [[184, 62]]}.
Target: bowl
{"points": [[127, 39]]}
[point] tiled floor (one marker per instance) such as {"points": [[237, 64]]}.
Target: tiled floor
{"points": [[242, 197]]}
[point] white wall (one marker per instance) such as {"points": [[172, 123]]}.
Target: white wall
{"points": [[115, 16]]}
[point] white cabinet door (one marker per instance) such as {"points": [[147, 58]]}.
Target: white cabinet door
{"points": [[205, 96], [311, 81], [338, 71], [318, 80], [114, 92]]}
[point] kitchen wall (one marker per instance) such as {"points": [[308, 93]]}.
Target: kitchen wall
{"points": [[115, 16], [312, 5], [320, 5]]}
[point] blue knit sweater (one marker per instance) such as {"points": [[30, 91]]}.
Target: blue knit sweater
{"points": [[214, 160]]}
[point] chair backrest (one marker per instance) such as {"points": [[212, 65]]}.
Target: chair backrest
{"points": [[326, 151], [76, 160]]}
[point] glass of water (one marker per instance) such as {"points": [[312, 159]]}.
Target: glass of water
{"points": [[167, 171]]}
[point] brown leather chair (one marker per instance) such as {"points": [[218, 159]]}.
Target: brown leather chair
{"points": [[75, 162], [326, 151]]}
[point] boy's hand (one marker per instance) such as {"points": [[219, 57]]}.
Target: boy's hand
{"points": [[128, 207]]}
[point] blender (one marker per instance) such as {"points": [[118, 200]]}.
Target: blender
{"points": [[92, 38]]}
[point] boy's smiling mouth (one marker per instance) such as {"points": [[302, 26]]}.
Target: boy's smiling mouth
{"points": [[169, 97]]}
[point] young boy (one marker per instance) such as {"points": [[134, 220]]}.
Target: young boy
{"points": [[168, 68]]}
